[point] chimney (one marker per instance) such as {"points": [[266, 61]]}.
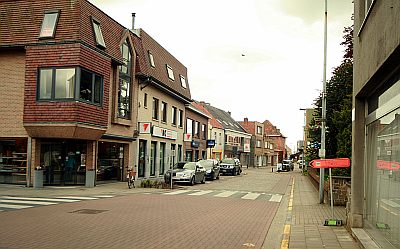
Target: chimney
{"points": [[229, 113], [133, 21], [246, 120]]}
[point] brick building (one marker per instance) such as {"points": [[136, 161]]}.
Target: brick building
{"points": [[276, 138], [71, 78]]}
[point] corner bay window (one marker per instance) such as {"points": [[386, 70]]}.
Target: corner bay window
{"points": [[70, 84]]}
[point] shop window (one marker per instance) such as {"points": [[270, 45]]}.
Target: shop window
{"points": [[49, 24], [13, 161], [98, 34], [162, 158]]}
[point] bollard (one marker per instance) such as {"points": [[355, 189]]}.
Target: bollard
{"points": [[272, 169]]}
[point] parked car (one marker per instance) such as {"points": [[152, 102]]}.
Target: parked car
{"points": [[287, 165], [231, 166], [191, 172], [212, 168], [178, 165], [300, 163]]}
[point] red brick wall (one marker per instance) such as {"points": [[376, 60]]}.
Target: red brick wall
{"points": [[64, 55]]}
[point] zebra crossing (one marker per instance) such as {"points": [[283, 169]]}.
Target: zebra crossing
{"points": [[9, 203], [225, 194]]}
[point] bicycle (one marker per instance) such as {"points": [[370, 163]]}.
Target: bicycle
{"points": [[131, 178]]}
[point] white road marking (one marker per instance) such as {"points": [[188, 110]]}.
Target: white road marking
{"points": [[78, 197], [104, 196], [226, 194], [251, 196], [276, 198], [37, 199], [28, 202], [14, 206], [177, 192], [203, 192]]}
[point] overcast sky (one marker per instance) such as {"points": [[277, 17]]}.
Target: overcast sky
{"points": [[260, 59]]}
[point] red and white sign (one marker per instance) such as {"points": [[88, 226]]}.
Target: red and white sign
{"points": [[246, 148], [165, 133], [330, 163], [145, 128], [187, 137]]}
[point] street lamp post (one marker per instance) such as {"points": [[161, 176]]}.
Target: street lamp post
{"points": [[304, 138], [323, 121]]}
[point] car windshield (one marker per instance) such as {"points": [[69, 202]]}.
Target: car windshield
{"points": [[179, 165], [228, 160], [286, 162], [206, 164], [191, 166]]}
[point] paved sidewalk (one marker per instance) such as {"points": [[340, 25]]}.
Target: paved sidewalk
{"points": [[305, 219]]}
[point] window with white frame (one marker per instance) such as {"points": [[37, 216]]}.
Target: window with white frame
{"points": [[174, 115], [196, 128], [151, 59], [204, 131], [170, 72], [183, 81], [164, 110], [98, 34], [259, 130], [180, 118], [189, 126], [155, 108], [49, 24], [258, 143]]}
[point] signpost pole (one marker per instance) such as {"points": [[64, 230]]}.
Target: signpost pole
{"points": [[331, 191]]}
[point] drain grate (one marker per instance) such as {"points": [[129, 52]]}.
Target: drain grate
{"points": [[88, 211]]}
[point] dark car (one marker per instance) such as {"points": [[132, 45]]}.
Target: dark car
{"points": [[178, 165], [230, 166], [212, 168]]}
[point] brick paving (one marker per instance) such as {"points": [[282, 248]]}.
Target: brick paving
{"points": [[135, 219], [307, 219]]}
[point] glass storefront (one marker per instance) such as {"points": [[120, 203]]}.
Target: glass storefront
{"points": [[382, 181], [13, 161], [110, 161], [63, 162]]}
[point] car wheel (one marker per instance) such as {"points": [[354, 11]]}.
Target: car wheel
{"points": [[193, 181]]}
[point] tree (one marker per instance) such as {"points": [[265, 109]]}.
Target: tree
{"points": [[339, 91]]}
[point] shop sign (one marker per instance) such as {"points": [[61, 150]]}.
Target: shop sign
{"points": [[145, 128], [187, 137], [195, 144], [246, 148], [211, 143], [165, 133]]}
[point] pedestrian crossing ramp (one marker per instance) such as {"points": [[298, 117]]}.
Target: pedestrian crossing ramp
{"points": [[228, 194], [9, 203]]}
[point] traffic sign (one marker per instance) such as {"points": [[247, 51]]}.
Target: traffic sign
{"points": [[330, 163]]}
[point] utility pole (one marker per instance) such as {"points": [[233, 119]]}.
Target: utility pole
{"points": [[304, 138], [323, 121]]}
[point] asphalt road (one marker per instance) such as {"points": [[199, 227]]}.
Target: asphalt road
{"points": [[233, 212]]}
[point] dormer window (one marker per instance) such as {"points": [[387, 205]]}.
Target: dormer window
{"points": [[151, 59], [49, 24], [98, 34], [170, 73], [183, 81]]}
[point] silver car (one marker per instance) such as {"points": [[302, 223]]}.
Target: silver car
{"points": [[192, 172]]}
